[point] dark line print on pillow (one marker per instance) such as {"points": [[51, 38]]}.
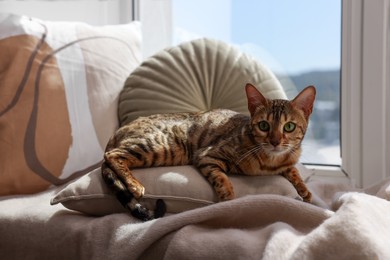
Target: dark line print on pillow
{"points": [[29, 140], [26, 74]]}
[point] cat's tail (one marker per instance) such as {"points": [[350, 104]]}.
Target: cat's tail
{"points": [[127, 199]]}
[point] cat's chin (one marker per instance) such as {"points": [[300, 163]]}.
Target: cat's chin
{"points": [[277, 151]]}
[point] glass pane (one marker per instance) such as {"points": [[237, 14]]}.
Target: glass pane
{"points": [[300, 41]]}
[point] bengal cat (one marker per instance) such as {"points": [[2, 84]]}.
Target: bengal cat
{"points": [[218, 142]]}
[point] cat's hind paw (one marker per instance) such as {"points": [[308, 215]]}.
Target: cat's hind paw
{"points": [[141, 212], [138, 191]]}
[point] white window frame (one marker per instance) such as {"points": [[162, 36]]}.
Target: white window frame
{"points": [[365, 92], [156, 19]]}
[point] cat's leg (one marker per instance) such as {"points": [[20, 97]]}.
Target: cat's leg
{"points": [[120, 161], [115, 173], [126, 198], [214, 170], [293, 176]]}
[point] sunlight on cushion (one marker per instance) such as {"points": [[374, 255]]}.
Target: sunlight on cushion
{"points": [[172, 176]]}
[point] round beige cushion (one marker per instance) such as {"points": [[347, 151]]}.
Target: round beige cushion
{"points": [[199, 75]]}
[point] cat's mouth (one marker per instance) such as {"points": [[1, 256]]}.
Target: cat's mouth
{"points": [[277, 150]]}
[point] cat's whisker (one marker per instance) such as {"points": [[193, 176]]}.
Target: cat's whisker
{"points": [[294, 153], [309, 145], [304, 158], [248, 153]]}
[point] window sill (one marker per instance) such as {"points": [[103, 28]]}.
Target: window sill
{"points": [[332, 174]]}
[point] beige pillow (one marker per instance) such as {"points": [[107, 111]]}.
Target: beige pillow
{"points": [[195, 76], [59, 88], [181, 187]]}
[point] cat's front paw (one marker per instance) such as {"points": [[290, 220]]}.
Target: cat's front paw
{"points": [[224, 189], [226, 194], [306, 195]]}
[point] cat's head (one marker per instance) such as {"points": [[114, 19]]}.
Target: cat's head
{"points": [[280, 125]]}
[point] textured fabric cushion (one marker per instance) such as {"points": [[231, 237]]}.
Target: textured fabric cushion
{"points": [[59, 88], [195, 76], [181, 187]]}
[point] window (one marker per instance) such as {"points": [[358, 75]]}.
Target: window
{"points": [[299, 40], [365, 63]]}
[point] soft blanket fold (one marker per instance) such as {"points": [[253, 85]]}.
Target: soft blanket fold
{"points": [[356, 226], [240, 229]]}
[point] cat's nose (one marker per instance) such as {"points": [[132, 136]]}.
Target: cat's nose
{"points": [[275, 141]]}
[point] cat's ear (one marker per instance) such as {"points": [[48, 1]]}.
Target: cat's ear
{"points": [[305, 100], [255, 98]]}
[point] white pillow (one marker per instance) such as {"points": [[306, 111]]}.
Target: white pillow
{"points": [[59, 88]]}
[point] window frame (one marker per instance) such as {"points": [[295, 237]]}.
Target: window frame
{"points": [[365, 112]]}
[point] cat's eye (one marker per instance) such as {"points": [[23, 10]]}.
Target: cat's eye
{"points": [[289, 127], [264, 126]]}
